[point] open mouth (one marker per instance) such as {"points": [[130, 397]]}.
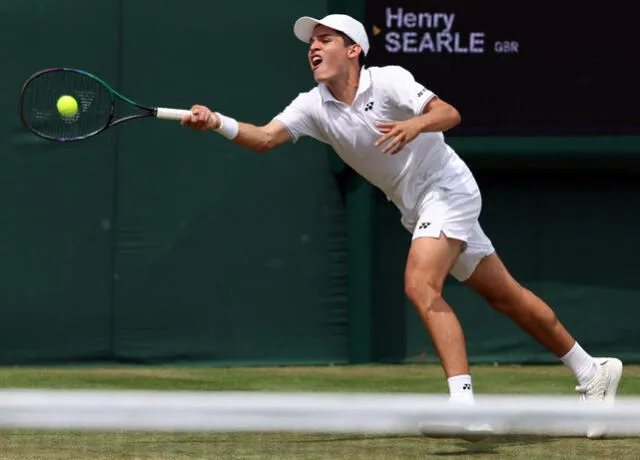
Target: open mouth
{"points": [[315, 62]]}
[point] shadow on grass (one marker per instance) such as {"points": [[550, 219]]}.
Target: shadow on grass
{"points": [[490, 445]]}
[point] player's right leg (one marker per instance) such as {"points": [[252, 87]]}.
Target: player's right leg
{"points": [[428, 263], [447, 218], [429, 260]]}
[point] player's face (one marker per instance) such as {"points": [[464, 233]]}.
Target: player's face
{"points": [[328, 55]]}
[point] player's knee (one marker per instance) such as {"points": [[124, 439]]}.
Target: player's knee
{"points": [[422, 293]]}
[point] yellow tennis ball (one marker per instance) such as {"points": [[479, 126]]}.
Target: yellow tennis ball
{"points": [[67, 106]]}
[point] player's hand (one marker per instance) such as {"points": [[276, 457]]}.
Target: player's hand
{"points": [[400, 133], [201, 119]]}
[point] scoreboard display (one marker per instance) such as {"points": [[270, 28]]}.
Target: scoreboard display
{"points": [[512, 68]]}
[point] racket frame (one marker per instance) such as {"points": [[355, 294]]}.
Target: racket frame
{"points": [[147, 112]]}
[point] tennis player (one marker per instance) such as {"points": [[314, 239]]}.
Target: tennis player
{"points": [[389, 128]]}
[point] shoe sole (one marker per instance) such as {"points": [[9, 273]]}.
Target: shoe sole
{"points": [[473, 433]]}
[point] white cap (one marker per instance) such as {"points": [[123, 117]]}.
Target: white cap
{"points": [[303, 28]]}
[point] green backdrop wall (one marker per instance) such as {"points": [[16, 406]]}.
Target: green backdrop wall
{"points": [[152, 242]]}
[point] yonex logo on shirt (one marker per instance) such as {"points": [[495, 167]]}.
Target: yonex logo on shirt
{"points": [[368, 107]]}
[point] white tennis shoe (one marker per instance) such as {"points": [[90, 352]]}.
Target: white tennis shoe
{"points": [[601, 389]]}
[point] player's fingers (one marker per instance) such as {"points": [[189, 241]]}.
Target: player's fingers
{"points": [[186, 119], [384, 138], [203, 120], [193, 119], [200, 112], [199, 123], [198, 108], [389, 135], [399, 147], [393, 143]]}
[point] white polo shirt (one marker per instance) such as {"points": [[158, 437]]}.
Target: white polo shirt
{"points": [[384, 94]]}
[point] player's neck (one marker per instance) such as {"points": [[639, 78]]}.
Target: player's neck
{"points": [[345, 88]]}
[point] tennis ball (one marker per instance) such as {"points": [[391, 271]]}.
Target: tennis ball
{"points": [[67, 106]]}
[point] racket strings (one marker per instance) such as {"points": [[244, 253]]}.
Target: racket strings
{"points": [[40, 112]]}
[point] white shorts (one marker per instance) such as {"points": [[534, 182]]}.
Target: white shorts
{"points": [[454, 211]]}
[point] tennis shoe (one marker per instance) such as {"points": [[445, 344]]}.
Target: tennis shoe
{"points": [[472, 432], [601, 389]]}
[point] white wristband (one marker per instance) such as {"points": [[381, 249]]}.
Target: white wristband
{"points": [[228, 126]]}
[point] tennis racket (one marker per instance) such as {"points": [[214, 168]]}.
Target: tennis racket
{"points": [[87, 107]]}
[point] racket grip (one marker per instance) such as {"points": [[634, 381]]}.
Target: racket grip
{"points": [[171, 114]]}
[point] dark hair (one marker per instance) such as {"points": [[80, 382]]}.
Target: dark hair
{"points": [[348, 42]]}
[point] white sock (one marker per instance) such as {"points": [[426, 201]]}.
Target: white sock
{"points": [[580, 363], [460, 388]]}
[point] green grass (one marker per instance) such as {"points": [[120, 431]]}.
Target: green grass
{"points": [[402, 378]]}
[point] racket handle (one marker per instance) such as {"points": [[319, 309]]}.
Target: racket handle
{"points": [[171, 114]]}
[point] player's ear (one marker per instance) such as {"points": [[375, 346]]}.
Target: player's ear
{"points": [[354, 51]]}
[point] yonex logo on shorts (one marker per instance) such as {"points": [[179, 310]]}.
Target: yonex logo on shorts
{"points": [[368, 107], [424, 225]]}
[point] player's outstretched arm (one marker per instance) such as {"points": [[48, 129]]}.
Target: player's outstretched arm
{"points": [[260, 138]]}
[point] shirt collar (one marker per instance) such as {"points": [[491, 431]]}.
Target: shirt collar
{"points": [[363, 85]]}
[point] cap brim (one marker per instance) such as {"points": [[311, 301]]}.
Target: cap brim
{"points": [[303, 28]]}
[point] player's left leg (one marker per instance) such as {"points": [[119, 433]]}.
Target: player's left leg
{"points": [[598, 378], [494, 283]]}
